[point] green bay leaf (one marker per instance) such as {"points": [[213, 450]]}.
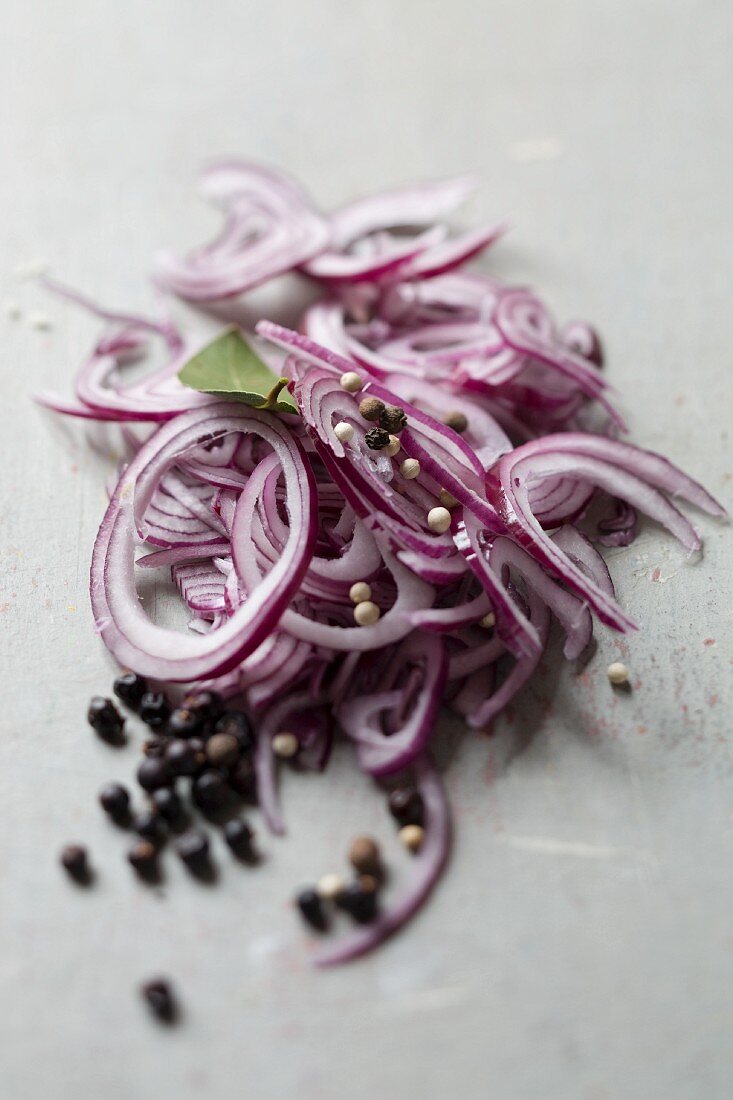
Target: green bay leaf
{"points": [[228, 368]]}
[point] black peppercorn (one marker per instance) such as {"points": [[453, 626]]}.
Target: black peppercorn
{"points": [[193, 848], [75, 862], [130, 688], [376, 439], [143, 856], [160, 999], [154, 709], [238, 724], [210, 791], [311, 909], [185, 757], [222, 750], [238, 835], [392, 419], [168, 804], [406, 806], [153, 772], [105, 719], [115, 801], [149, 825], [184, 723], [359, 903]]}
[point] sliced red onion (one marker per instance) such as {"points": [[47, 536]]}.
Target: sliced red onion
{"points": [[362, 716], [418, 205], [270, 228], [164, 654]]}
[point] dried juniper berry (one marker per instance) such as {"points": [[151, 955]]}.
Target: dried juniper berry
{"points": [[130, 688], [160, 999], [311, 909], [185, 757], [153, 772], [75, 861], [193, 848], [149, 824], [168, 804], [105, 719], [154, 709], [239, 836], [359, 903], [210, 791], [115, 801], [184, 723]]}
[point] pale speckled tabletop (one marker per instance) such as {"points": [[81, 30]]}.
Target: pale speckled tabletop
{"points": [[580, 946]]}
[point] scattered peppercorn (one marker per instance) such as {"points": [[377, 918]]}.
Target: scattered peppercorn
{"points": [[351, 382], [360, 592], [392, 419], [115, 801], [143, 856], [105, 719], [184, 723], [456, 420], [488, 621], [149, 825], [193, 848], [153, 772], [154, 709], [439, 520], [406, 806], [376, 439], [412, 836], [75, 862], [285, 745], [130, 688], [239, 836], [330, 887], [222, 750], [168, 804], [365, 857], [311, 909], [344, 431], [393, 447], [238, 724], [366, 613], [618, 673], [160, 999], [371, 408], [358, 903], [210, 791]]}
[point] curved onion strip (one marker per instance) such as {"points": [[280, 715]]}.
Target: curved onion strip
{"points": [[424, 873], [381, 754], [270, 228], [164, 654], [417, 205], [520, 673]]}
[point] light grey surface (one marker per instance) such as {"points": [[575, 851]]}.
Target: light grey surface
{"points": [[580, 945]]}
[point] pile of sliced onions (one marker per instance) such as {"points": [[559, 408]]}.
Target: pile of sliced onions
{"points": [[266, 522]]}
